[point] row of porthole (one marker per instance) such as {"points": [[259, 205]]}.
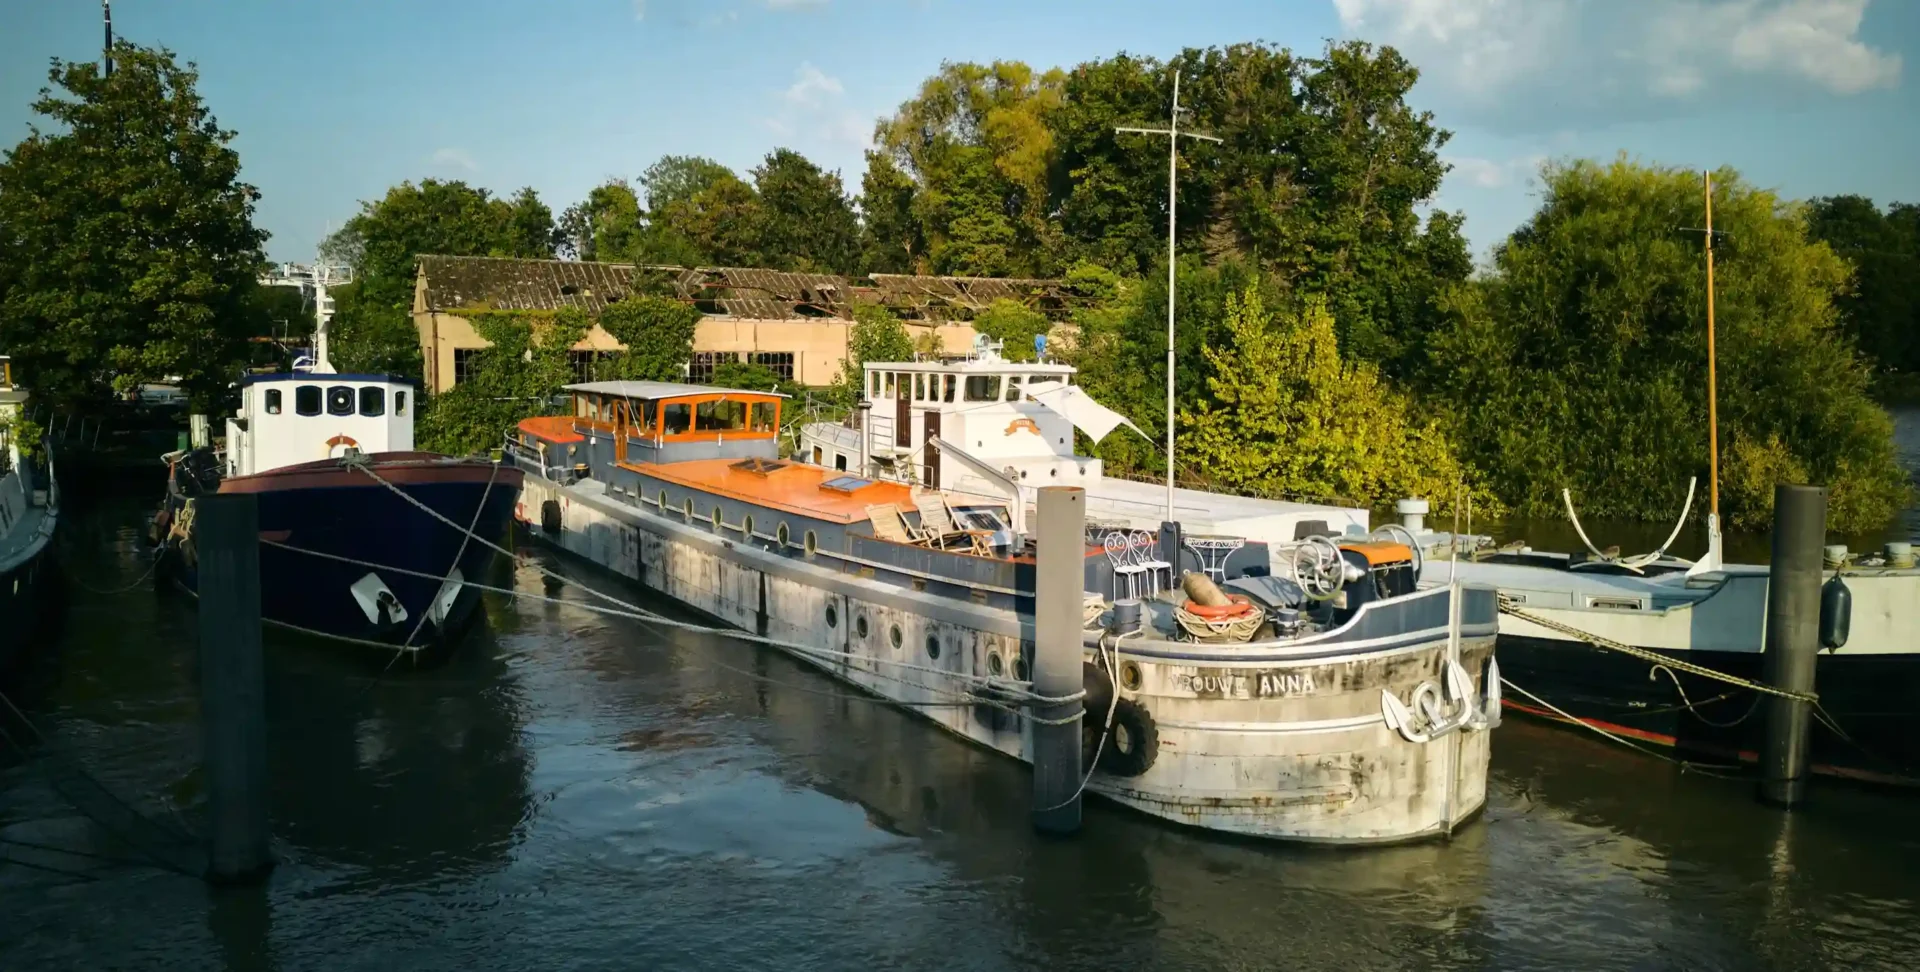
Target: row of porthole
{"points": [[995, 666], [810, 542]]}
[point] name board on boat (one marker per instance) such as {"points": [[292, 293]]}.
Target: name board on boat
{"points": [[1214, 683]]}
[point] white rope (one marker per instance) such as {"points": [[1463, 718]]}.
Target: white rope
{"points": [[467, 537]]}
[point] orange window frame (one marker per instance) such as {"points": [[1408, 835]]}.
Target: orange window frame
{"points": [[693, 403]]}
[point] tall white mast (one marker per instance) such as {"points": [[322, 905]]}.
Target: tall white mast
{"points": [[1173, 133]]}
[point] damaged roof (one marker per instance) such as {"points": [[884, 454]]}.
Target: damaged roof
{"points": [[456, 283]]}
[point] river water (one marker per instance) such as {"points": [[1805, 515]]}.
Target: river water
{"points": [[573, 791]]}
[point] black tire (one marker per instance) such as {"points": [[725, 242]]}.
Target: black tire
{"points": [[1099, 689], [1133, 742], [550, 517]]}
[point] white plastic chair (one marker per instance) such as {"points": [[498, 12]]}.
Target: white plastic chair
{"points": [[1120, 556], [1148, 559]]}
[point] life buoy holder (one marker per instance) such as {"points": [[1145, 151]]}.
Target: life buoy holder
{"points": [[341, 440], [1238, 606]]}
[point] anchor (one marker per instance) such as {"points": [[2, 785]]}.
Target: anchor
{"points": [[1423, 717]]}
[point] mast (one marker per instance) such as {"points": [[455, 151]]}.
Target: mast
{"points": [[1173, 133], [1713, 401], [106, 52]]}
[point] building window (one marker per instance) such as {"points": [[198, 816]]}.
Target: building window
{"points": [[373, 402], [306, 399], [273, 401], [587, 364], [466, 361], [778, 362], [700, 369]]}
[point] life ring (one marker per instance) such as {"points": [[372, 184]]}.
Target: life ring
{"points": [[341, 440], [1237, 607], [1133, 741]]}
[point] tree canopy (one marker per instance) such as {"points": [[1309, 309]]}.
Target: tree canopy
{"points": [[1880, 306], [1580, 361], [371, 327], [128, 252]]}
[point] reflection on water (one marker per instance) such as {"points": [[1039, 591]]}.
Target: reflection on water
{"points": [[1745, 547], [574, 791]]}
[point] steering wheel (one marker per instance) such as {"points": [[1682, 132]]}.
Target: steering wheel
{"points": [[1395, 530], [1318, 568]]}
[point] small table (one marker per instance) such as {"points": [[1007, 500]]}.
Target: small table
{"points": [[1213, 553]]}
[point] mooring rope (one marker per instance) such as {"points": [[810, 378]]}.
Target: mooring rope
{"points": [[1507, 606]]}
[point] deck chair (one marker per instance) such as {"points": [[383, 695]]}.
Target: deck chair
{"points": [[936, 521], [888, 524]]}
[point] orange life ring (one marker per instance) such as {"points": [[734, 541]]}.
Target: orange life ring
{"points": [[341, 440], [1238, 608]]}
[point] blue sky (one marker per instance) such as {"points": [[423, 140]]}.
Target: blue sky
{"points": [[335, 102]]}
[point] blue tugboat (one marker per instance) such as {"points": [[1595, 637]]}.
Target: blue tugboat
{"points": [[363, 538], [29, 512]]}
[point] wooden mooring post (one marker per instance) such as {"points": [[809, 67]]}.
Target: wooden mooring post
{"points": [[1793, 638], [1058, 602], [233, 710]]}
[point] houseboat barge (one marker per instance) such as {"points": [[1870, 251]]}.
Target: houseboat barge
{"points": [[1338, 702]]}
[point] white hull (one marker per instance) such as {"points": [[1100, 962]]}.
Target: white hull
{"points": [[1288, 740]]}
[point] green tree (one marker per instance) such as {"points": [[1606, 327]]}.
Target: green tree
{"points": [[383, 242], [1580, 361], [608, 225], [1286, 416], [658, 334], [889, 235], [127, 247], [1880, 308], [807, 222], [753, 377], [514, 377], [1014, 324], [976, 144]]}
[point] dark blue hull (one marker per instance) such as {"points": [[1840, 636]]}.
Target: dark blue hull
{"points": [[28, 606], [346, 556]]}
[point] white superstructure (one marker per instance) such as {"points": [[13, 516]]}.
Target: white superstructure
{"points": [[1001, 429]]}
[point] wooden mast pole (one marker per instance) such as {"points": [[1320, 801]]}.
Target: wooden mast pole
{"points": [[1713, 400]]}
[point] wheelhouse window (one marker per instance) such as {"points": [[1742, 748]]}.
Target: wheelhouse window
{"points": [[919, 387], [761, 416], [373, 401], [399, 403], [675, 417], [340, 400], [720, 416], [873, 384], [306, 399], [1013, 388], [579, 406], [983, 388], [273, 401], [890, 377]]}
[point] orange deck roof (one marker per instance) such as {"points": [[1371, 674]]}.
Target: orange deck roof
{"points": [[794, 488], [553, 428]]}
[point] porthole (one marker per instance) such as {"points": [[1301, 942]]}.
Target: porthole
{"points": [[716, 518], [781, 533], [812, 543], [1130, 676], [663, 501], [1020, 668], [860, 627], [686, 509], [933, 647], [995, 667], [833, 615], [746, 527], [893, 636]]}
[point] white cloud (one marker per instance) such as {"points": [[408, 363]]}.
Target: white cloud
{"points": [[814, 107], [1623, 58], [1490, 174], [639, 9], [455, 158]]}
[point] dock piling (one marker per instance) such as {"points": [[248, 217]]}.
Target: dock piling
{"points": [[232, 687], [1793, 638], [1059, 600]]}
